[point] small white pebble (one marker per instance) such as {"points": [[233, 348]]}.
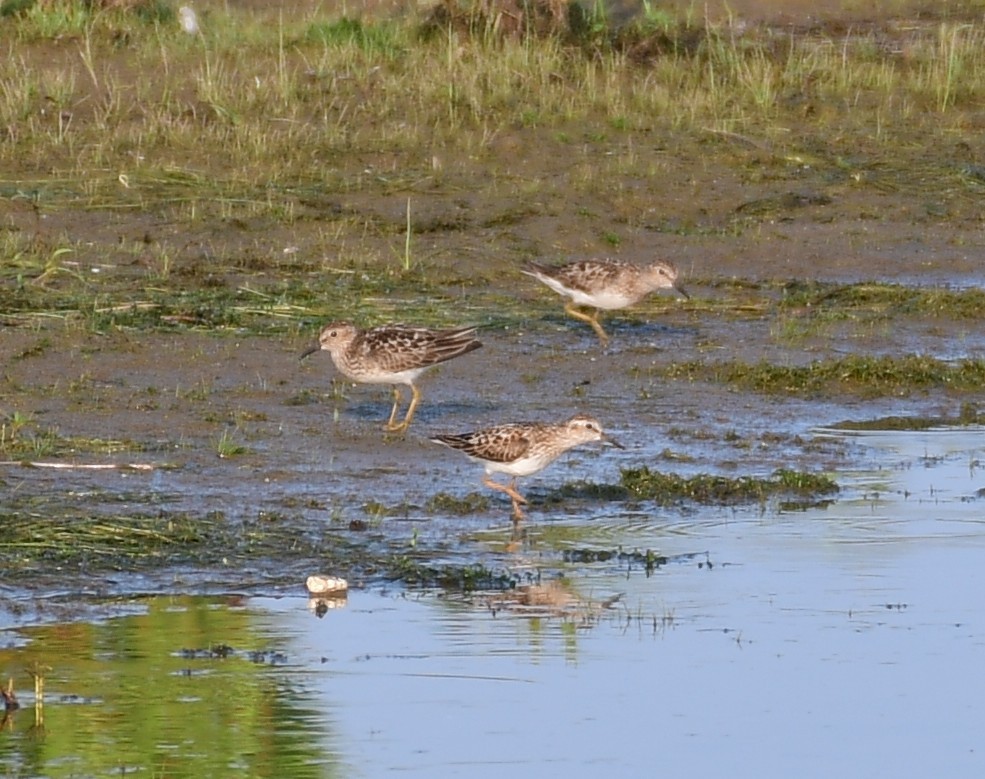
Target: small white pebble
{"points": [[319, 585]]}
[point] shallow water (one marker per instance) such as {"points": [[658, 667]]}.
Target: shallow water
{"points": [[841, 640]]}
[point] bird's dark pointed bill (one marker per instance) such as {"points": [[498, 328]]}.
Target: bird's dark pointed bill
{"points": [[310, 350], [610, 440], [681, 291]]}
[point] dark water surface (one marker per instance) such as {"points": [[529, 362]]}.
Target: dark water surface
{"points": [[841, 640]]}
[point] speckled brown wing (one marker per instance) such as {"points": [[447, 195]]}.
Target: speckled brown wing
{"points": [[496, 444], [446, 344], [591, 275], [396, 348]]}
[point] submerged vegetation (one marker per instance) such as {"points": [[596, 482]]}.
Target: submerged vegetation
{"points": [[468, 577]]}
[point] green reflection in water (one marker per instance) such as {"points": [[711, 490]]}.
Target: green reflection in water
{"points": [[146, 693]]}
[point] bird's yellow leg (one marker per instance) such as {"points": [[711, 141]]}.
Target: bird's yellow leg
{"points": [[593, 320], [510, 490], [393, 412], [415, 398], [518, 512]]}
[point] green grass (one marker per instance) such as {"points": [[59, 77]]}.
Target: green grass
{"points": [[383, 38]]}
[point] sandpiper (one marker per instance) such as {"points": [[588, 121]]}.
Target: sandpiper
{"points": [[604, 285], [392, 354], [523, 448]]}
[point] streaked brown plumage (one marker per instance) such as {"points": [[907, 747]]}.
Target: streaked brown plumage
{"points": [[523, 448], [392, 354], [604, 285]]}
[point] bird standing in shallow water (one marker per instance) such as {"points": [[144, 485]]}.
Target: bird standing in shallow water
{"points": [[392, 354], [523, 448], [605, 285]]}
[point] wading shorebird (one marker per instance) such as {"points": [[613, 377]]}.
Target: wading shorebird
{"points": [[392, 354], [523, 448], [604, 285]]}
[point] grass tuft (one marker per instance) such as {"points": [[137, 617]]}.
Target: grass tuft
{"points": [[227, 446], [382, 38], [21, 439]]}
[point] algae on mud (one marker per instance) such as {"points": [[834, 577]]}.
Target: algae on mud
{"points": [[885, 300], [665, 488], [968, 415], [869, 376]]}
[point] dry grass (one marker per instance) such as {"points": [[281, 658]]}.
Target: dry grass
{"points": [[305, 100]]}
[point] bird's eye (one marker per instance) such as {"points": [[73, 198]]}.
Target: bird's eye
{"points": [[333, 334]]}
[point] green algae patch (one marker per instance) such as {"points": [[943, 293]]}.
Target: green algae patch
{"points": [[586, 490], [865, 375], [883, 299], [721, 490], [968, 415], [445, 503]]}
